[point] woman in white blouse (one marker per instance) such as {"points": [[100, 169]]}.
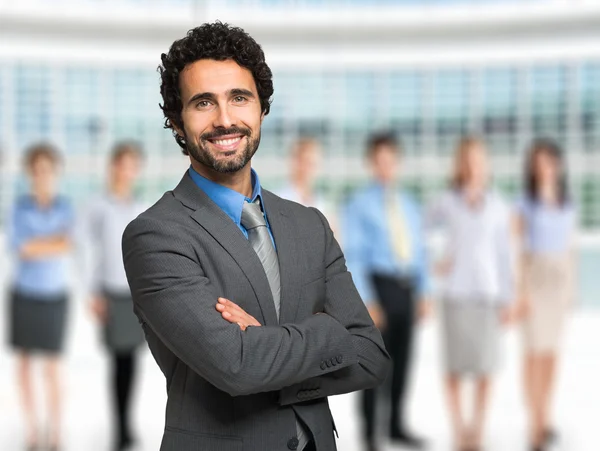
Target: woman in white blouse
{"points": [[477, 284]]}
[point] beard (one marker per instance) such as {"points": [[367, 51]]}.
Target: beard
{"points": [[200, 151]]}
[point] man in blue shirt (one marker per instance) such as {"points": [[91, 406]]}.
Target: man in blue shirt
{"points": [[385, 251]]}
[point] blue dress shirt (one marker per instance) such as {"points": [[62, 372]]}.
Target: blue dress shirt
{"points": [[548, 229], [43, 276], [230, 201], [367, 245]]}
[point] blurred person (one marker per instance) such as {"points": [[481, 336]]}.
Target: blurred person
{"points": [[244, 297], [385, 248], [39, 237], [478, 284], [546, 222], [305, 162], [110, 298]]}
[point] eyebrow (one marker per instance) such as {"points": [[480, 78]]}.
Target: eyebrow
{"points": [[212, 96]]}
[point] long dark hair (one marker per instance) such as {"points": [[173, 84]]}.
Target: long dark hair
{"points": [[552, 149]]}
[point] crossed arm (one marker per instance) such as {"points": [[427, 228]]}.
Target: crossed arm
{"points": [[177, 302]]}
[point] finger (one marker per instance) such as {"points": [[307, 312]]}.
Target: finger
{"points": [[253, 321], [235, 309], [227, 302], [233, 318], [230, 305]]}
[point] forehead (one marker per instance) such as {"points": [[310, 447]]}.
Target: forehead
{"points": [[42, 162], [214, 76]]}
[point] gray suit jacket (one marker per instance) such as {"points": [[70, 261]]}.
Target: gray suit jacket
{"points": [[230, 390]]}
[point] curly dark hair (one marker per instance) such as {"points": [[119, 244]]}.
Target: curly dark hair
{"points": [[217, 41]]}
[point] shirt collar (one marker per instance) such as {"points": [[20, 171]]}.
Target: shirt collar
{"points": [[228, 200]]}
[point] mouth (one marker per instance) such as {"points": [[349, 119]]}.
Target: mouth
{"points": [[226, 143]]}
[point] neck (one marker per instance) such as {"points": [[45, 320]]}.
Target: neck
{"points": [[548, 193], [474, 192], [240, 181], [43, 198], [120, 190], [302, 185]]}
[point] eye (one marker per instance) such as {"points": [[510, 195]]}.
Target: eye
{"points": [[239, 99], [203, 104]]}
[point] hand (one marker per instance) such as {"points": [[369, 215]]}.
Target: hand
{"points": [[233, 313], [442, 268], [424, 310], [377, 315], [522, 309], [99, 309], [508, 315]]}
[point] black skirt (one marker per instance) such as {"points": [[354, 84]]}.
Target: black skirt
{"points": [[122, 330], [38, 322]]}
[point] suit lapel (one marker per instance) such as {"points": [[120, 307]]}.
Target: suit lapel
{"points": [[284, 233], [220, 226]]}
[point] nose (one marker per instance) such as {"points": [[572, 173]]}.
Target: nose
{"points": [[223, 119]]}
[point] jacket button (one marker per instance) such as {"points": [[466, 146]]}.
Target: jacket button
{"points": [[339, 359], [293, 443], [333, 362], [323, 365], [328, 362]]}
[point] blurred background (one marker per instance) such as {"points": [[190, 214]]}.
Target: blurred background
{"points": [[82, 75]]}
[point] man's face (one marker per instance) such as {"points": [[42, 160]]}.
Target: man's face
{"points": [[126, 169], [43, 174], [307, 162], [221, 114], [385, 164]]}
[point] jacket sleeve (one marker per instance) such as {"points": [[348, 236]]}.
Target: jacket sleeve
{"points": [[174, 298], [343, 303]]}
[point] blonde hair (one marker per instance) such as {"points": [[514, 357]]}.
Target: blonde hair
{"points": [[465, 145]]}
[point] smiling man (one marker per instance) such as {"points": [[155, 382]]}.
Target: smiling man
{"points": [[244, 297]]}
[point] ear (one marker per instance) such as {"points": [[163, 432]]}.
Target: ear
{"points": [[178, 130], [262, 116]]}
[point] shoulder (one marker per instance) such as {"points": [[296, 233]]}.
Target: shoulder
{"points": [[409, 200], [165, 216], [499, 204], [361, 197], [523, 205], [275, 203], [447, 199], [21, 203]]}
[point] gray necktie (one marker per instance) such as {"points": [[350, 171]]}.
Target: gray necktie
{"points": [[254, 222]]}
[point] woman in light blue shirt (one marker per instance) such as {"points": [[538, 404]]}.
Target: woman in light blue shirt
{"points": [[546, 219], [41, 222]]}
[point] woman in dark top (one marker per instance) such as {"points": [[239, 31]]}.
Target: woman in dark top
{"points": [[39, 238]]}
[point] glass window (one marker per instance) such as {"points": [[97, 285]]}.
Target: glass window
{"points": [[451, 100], [405, 100], [589, 98], [33, 103], [499, 110], [549, 101]]}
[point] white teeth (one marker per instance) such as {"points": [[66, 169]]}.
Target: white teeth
{"points": [[226, 142]]}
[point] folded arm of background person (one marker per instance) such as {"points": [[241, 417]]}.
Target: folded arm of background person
{"points": [[175, 299], [35, 248], [344, 304]]}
